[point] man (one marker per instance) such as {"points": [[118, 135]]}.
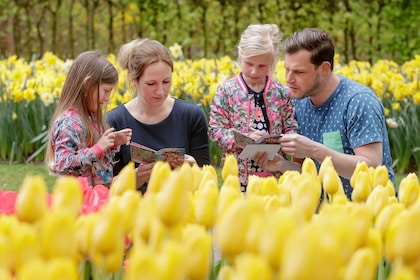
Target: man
{"points": [[337, 117]]}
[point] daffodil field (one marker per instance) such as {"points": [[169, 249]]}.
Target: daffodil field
{"points": [[29, 91], [185, 227]]}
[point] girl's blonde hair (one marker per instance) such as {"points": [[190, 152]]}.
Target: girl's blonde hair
{"points": [[88, 71], [136, 55], [258, 39]]}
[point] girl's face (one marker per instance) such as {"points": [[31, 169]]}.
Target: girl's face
{"points": [[101, 98], [256, 68], [155, 84]]}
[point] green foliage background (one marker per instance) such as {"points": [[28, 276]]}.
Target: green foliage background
{"points": [[363, 30]]}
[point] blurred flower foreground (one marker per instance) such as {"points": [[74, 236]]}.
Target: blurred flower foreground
{"points": [[186, 227]]}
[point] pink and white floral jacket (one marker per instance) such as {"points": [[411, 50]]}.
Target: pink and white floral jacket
{"points": [[233, 107]]}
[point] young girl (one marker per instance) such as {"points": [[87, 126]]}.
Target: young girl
{"points": [[253, 101], [80, 144]]}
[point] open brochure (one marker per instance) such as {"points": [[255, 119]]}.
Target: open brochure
{"points": [[142, 154], [267, 143]]}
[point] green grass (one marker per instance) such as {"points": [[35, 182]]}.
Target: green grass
{"points": [[12, 175]]}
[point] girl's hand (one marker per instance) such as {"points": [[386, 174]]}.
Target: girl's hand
{"points": [[122, 137], [107, 140]]}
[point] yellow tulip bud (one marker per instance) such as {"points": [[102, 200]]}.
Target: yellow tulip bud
{"points": [[288, 178], [197, 174], [24, 244], [128, 203], [402, 272], [160, 173], [361, 186], [62, 268], [377, 200], [274, 233], [308, 166], [402, 241], [67, 194], [58, 235], [230, 166], [171, 258], [331, 181], [207, 176], [251, 266], [226, 273], [269, 186], [206, 204], [327, 162], [254, 185], [84, 225], [227, 196], [235, 219], [197, 244], [32, 269], [386, 216], [173, 202], [380, 176], [306, 195], [408, 191], [31, 202], [284, 196], [232, 182], [126, 180], [362, 265], [360, 167], [142, 265], [374, 241]]}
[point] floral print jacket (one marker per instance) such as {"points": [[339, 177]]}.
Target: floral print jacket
{"points": [[233, 107], [72, 156]]}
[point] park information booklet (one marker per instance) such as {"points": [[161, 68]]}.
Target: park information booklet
{"points": [[267, 143], [141, 154]]}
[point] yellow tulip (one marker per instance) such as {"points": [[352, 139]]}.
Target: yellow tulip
{"points": [[84, 225], [24, 244], [197, 174], [362, 265], [386, 216], [128, 203], [126, 180], [232, 182], [206, 204], [157, 233], [374, 241], [327, 162], [173, 201], [268, 186], [227, 196], [361, 186], [306, 195], [31, 202], [197, 243], [67, 194], [226, 272], [380, 176], [62, 268], [251, 266], [377, 200], [32, 269], [274, 233], [160, 173], [331, 181], [230, 166], [235, 220], [58, 235], [309, 252], [402, 241], [408, 191], [254, 185], [308, 166], [142, 265], [207, 176], [171, 259], [402, 272], [361, 166]]}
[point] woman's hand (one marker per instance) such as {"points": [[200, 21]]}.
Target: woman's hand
{"points": [[143, 172]]}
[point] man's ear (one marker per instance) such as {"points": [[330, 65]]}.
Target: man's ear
{"points": [[326, 67]]}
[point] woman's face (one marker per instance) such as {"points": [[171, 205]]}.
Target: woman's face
{"points": [[155, 84], [101, 98]]}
